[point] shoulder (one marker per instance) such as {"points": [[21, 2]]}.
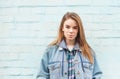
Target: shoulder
{"points": [[50, 51], [51, 48], [92, 52], [94, 55]]}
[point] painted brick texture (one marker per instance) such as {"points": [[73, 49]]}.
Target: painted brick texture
{"points": [[28, 26]]}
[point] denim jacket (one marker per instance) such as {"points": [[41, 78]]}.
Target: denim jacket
{"points": [[54, 65]]}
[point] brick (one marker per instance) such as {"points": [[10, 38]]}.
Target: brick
{"points": [[27, 27]]}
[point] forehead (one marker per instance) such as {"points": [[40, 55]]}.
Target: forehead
{"points": [[70, 22]]}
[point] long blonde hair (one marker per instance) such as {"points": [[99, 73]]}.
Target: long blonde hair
{"points": [[86, 49]]}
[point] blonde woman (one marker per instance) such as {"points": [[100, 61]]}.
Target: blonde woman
{"points": [[69, 56]]}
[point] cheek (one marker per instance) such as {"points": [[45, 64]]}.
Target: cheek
{"points": [[65, 33], [76, 31]]}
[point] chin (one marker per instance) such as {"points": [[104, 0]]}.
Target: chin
{"points": [[71, 39]]}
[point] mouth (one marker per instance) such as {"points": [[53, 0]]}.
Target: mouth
{"points": [[71, 35]]}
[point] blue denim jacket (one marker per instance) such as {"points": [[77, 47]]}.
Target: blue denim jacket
{"points": [[54, 65]]}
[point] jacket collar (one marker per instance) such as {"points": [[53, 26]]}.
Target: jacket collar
{"points": [[62, 45]]}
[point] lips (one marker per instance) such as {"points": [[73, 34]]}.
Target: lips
{"points": [[71, 35]]}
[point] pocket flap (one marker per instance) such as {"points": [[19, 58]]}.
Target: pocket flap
{"points": [[54, 65], [87, 65]]}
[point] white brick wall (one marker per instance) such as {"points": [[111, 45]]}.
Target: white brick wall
{"points": [[27, 26]]}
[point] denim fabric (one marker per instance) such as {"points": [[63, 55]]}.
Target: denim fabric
{"points": [[54, 65]]}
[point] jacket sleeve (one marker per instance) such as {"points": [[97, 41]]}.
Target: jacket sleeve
{"points": [[43, 69], [96, 71]]}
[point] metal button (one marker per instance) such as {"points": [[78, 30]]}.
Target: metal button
{"points": [[53, 67], [65, 73], [78, 72]]}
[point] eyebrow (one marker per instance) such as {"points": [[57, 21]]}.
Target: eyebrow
{"points": [[75, 26], [69, 25]]}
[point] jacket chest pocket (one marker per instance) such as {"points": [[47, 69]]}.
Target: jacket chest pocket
{"points": [[54, 70], [88, 69]]}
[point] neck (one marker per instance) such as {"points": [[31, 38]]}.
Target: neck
{"points": [[70, 44]]}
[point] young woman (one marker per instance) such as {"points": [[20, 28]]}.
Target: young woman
{"points": [[69, 56]]}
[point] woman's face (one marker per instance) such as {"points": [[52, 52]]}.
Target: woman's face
{"points": [[70, 29]]}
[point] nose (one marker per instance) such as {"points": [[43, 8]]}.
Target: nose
{"points": [[71, 29]]}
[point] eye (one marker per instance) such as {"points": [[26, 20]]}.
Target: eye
{"points": [[67, 26], [75, 27]]}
